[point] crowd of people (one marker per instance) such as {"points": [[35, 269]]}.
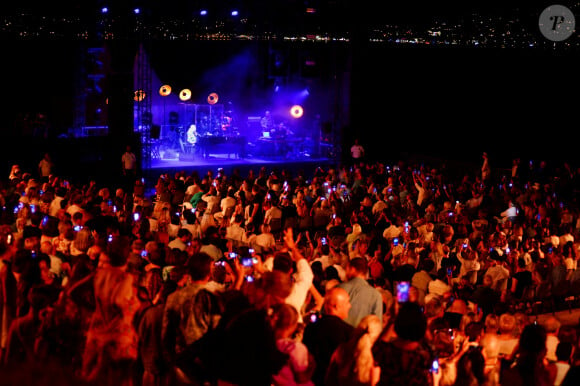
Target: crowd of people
{"points": [[366, 273]]}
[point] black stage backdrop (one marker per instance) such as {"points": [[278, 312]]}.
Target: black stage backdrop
{"points": [[442, 101]]}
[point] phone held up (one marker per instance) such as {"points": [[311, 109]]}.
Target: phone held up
{"points": [[403, 291]]}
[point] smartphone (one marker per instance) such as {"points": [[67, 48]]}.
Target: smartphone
{"points": [[247, 262], [110, 239], [313, 317], [464, 245], [136, 216], [32, 208], [435, 366], [403, 292], [251, 250], [324, 241], [233, 255], [449, 271], [78, 228], [9, 239], [396, 241], [44, 221]]}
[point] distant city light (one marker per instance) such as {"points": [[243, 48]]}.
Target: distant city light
{"points": [[203, 12]]}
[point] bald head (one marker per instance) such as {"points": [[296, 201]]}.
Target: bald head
{"points": [[337, 302]]}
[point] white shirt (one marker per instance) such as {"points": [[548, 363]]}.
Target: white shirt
{"points": [[439, 288], [392, 232], [302, 282], [265, 240], [129, 160], [212, 203], [55, 206], [561, 374], [356, 151]]}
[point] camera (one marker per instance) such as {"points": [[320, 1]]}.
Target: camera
{"points": [[403, 292]]}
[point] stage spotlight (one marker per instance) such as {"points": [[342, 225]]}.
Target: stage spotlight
{"points": [[212, 98], [296, 111], [235, 13], [165, 90], [185, 94], [104, 10], [136, 11], [203, 12], [139, 95]]}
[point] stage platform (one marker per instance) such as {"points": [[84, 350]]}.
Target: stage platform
{"points": [[230, 162]]}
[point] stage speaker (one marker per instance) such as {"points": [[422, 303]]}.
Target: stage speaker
{"points": [[155, 132]]}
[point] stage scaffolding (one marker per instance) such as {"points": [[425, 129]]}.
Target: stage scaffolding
{"points": [[142, 106]]}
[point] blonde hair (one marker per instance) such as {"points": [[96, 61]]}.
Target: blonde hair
{"points": [[507, 324], [491, 323]]}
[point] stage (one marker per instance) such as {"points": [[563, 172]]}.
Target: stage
{"points": [[201, 162]]}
